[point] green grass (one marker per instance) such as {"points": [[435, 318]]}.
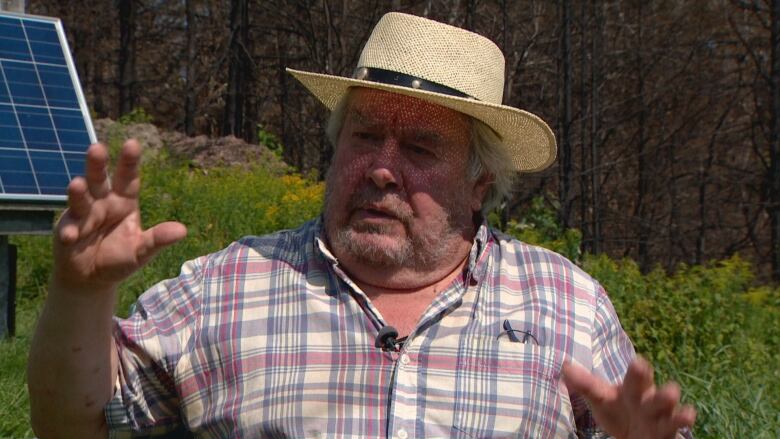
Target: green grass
{"points": [[711, 330], [729, 405], [14, 400]]}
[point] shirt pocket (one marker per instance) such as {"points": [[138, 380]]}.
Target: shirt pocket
{"points": [[509, 389]]}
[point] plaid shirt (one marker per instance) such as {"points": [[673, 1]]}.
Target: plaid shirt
{"points": [[270, 338]]}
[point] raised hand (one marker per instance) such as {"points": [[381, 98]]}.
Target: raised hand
{"points": [[99, 240], [635, 409]]}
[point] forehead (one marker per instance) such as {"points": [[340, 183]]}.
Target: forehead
{"points": [[378, 107]]}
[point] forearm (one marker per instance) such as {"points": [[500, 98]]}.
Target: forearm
{"points": [[73, 363]]}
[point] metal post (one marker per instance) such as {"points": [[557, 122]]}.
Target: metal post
{"points": [[5, 286], [11, 290], [16, 220]]}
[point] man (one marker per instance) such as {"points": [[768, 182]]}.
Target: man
{"points": [[398, 313]]}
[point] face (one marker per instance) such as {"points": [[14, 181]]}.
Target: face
{"points": [[397, 193]]}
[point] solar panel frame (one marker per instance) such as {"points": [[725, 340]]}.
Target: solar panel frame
{"points": [[59, 102]]}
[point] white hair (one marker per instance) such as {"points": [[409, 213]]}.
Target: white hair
{"points": [[487, 156], [489, 159]]}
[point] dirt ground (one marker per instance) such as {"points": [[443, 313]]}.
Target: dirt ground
{"points": [[199, 151]]}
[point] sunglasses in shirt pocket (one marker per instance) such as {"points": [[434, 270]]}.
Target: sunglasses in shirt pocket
{"points": [[509, 389]]}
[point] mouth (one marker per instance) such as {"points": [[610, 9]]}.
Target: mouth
{"points": [[374, 214]]}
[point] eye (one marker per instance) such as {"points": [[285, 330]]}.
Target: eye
{"points": [[367, 135], [419, 150]]}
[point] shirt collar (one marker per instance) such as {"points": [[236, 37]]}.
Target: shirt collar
{"points": [[321, 249], [478, 255]]}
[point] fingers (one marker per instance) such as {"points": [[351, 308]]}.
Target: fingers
{"points": [[126, 181], [638, 380], [664, 406], [659, 407], [79, 202], [160, 236], [580, 380], [684, 417], [79, 198], [68, 230], [96, 171], [668, 427], [636, 405], [167, 233], [84, 214], [663, 402]]}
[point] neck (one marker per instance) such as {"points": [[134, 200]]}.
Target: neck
{"points": [[431, 289]]}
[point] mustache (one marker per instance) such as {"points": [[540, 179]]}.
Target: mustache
{"points": [[388, 202]]}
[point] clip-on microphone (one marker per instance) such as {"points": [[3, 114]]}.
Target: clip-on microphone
{"points": [[387, 339]]}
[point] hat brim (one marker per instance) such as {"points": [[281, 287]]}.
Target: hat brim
{"points": [[530, 142]]}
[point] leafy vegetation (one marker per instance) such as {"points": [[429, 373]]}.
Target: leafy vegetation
{"points": [[137, 115], [708, 327], [539, 226], [270, 141]]}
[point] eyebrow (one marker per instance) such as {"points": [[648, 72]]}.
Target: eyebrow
{"points": [[417, 134], [423, 135], [360, 117]]}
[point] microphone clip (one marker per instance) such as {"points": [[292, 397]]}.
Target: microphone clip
{"points": [[387, 339]]}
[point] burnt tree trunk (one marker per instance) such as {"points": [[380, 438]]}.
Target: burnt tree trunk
{"points": [[584, 192], [595, 125], [564, 119], [126, 62], [190, 95], [774, 142], [238, 72], [641, 210]]}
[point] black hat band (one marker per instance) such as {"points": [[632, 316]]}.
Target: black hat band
{"points": [[403, 80]]}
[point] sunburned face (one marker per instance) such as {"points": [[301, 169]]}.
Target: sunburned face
{"points": [[397, 191]]}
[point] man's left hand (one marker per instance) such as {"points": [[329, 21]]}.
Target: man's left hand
{"points": [[635, 409]]}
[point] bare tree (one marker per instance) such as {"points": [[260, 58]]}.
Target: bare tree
{"points": [[239, 71], [595, 124], [127, 56], [566, 167], [190, 96]]}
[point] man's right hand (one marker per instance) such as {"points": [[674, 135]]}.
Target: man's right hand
{"points": [[99, 240]]}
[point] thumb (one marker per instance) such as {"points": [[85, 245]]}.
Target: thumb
{"points": [[580, 380], [160, 236]]}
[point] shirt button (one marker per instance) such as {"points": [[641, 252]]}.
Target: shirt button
{"points": [[404, 361], [402, 434]]}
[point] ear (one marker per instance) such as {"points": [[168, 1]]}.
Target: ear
{"points": [[479, 190]]}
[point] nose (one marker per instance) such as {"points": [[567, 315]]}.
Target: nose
{"points": [[385, 168]]}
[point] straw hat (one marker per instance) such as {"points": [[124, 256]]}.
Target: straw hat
{"points": [[447, 66]]}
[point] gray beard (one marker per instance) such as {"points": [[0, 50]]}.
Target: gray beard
{"points": [[417, 252], [414, 252]]}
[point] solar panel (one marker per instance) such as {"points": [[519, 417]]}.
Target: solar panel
{"points": [[45, 128]]}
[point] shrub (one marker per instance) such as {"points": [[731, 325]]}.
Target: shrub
{"points": [[539, 226], [136, 115], [270, 141]]}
